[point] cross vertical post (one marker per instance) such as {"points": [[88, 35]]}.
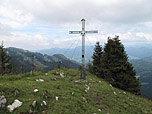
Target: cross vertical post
{"points": [[83, 33], [83, 50]]}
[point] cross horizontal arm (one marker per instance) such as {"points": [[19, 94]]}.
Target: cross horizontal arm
{"points": [[75, 32], [90, 32]]}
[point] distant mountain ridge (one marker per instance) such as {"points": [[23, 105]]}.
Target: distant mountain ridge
{"points": [[75, 53], [144, 70], [24, 61]]}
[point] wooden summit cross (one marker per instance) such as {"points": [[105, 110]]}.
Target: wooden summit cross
{"points": [[83, 33]]}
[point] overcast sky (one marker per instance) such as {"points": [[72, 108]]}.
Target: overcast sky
{"points": [[44, 24]]}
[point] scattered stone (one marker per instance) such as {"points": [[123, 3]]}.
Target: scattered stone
{"points": [[16, 104], [84, 99], [99, 110], [99, 81], [46, 74], [77, 81], [44, 112], [44, 102], [115, 93], [57, 73], [72, 93], [86, 91], [36, 90], [39, 80], [89, 83], [62, 75], [124, 92], [57, 98], [34, 103], [110, 85], [130, 99], [2, 101], [88, 88], [30, 111], [54, 79], [45, 94], [16, 92], [90, 79]]}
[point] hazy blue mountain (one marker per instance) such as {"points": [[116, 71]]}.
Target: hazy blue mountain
{"points": [[71, 53], [23, 61], [75, 53], [139, 52], [144, 70], [148, 59]]}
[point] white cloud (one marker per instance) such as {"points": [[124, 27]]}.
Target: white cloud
{"points": [[132, 20], [14, 18], [128, 39], [148, 37], [26, 41], [68, 11]]}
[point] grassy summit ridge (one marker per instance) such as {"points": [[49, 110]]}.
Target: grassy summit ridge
{"points": [[72, 93]]}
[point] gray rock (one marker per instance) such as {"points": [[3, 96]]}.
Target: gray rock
{"points": [[16, 104], [2, 101], [54, 79], [16, 92], [34, 103]]}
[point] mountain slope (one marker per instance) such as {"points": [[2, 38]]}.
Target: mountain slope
{"points": [[23, 61], [148, 59], [75, 96], [144, 69]]}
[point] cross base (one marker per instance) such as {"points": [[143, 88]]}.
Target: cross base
{"points": [[83, 74]]}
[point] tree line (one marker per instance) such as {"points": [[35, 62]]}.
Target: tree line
{"points": [[5, 65], [111, 63]]}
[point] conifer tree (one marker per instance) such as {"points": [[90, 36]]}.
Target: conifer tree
{"points": [[116, 68], [5, 66], [97, 62]]}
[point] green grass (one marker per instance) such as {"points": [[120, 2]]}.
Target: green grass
{"points": [[100, 96]]}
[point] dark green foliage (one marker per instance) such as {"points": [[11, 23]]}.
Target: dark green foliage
{"points": [[97, 60], [5, 66], [116, 68]]}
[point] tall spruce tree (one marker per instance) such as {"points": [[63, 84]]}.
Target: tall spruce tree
{"points": [[97, 62], [116, 68], [5, 66]]}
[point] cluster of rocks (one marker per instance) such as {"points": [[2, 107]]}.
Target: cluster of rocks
{"points": [[14, 105], [115, 92], [39, 80], [34, 104], [61, 74], [54, 79], [2, 101], [11, 107], [87, 87]]}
